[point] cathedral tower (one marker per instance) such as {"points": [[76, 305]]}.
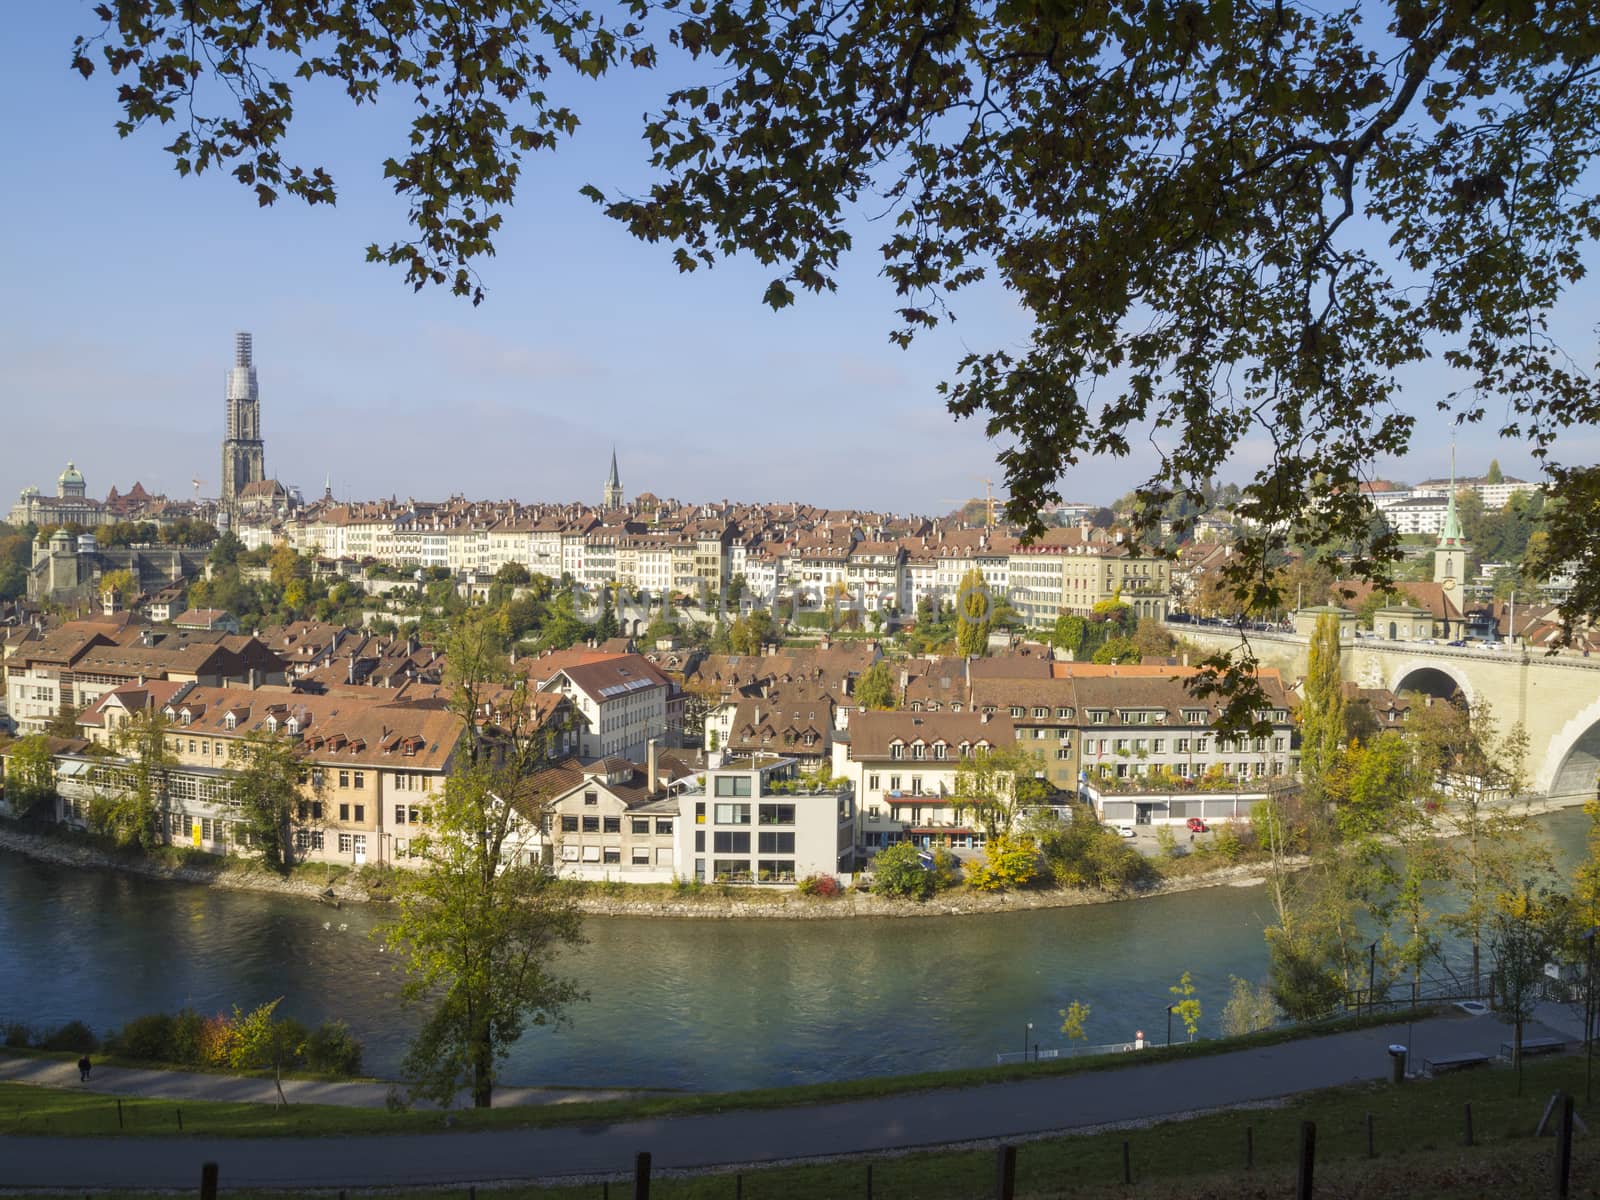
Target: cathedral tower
{"points": [[243, 455], [612, 496], [1450, 555]]}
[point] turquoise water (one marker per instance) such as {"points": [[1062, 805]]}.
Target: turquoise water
{"points": [[698, 1004]]}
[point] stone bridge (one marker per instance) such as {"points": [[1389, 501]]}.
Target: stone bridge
{"points": [[1556, 698]]}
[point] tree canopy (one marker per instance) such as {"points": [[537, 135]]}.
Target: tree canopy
{"points": [[1229, 223]]}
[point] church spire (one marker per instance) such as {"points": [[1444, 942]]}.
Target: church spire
{"points": [[1451, 535], [612, 495]]}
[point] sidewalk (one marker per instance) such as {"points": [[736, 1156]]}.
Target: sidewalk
{"points": [[1042, 1105], [195, 1085]]}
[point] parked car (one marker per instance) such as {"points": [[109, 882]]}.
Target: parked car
{"points": [[1125, 830], [1196, 825]]}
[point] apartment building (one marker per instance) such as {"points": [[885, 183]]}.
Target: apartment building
{"points": [[760, 824]]}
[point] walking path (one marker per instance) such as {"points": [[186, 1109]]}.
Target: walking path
{"points": [[195, 1085], [1003, 1110]]}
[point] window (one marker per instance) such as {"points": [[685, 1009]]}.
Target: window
{"points": [[699, 841], [569, 824], [399, 814], [346, 844], [611, 855], [1158, 745], [344, 812], [663, 856], [301, 810], [613, 824], [1182, 745], [640, 856], [641, 825], [732, 785], [896, 750], [894, 783], [1064, 752], [663, 826], [1200, 745], [1040, 713], [591, 798], [361, 812], [591, 824], [872, 783], [1064, 714], [344, 779], [733, 814], [730, 866], [776, 843], [361, 779], [361, 844], [777, 814], [1279, 743], [728, 842], [775, 868], [700, 813]]}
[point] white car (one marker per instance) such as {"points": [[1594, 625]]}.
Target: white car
{"points": [[1125, 830]]}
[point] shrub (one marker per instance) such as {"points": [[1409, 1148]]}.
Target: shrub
{"points": [[819, 885], [148, 1037], [18, 1035], [74, 1036], [898, 871], [331, 1047], [188, 1037], [1008, 863]]}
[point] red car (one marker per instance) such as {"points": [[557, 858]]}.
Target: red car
{"points": [[1196, 825]]}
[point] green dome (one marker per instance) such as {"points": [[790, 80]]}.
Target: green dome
{"points": [[70, 475]]}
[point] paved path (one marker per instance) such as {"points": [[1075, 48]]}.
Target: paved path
{"points": [[195, 1085], [1031, 1106]]}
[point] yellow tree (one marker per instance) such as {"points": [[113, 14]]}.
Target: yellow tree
{"points": [[974, 614]]}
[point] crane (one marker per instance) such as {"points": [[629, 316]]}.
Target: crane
{"points": [[988, 500]]}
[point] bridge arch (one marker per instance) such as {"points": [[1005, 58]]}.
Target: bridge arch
{"points": [[1572, 764], [1440, 679]]}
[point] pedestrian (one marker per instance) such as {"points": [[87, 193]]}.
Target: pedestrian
{"points": [[1191, 837], [84, 1067]]}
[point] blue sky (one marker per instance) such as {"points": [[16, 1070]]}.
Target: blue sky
{"points": [[121, 285]]}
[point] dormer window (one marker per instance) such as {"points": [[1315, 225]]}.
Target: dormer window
{"points": [[230, 721], [292, 725], [940, 750], [1016, 710], [918, 750], [272, 724], [185, 717], [897, 750], [965, 749]]}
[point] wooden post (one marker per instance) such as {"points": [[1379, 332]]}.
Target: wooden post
{"points": [[1467, 1140], [1308, 1160], [119, 1112], [1249, 1147], [869, 1181], [1127, 1164], [472, 1192], [1005, 1172], [738, 1186], [1371, 1152], [605, 1189], [208, 1181], [641, 1176], [180, 1120], [1564, 1150]]}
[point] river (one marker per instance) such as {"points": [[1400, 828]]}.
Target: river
{"points": [[697, 1004]]}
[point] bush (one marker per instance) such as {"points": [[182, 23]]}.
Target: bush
{"points": [[188, 1033], [1008, 863], [18, 1036], [898, 871], [819, 885], [332, 1048], [148, 1037], [74, 1036]]}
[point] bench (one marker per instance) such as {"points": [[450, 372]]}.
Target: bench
{"points": [[1454, 1062], [1542, 1045]]}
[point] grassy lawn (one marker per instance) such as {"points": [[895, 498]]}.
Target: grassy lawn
{"points": [[1418, 1142], [26, 1108]]}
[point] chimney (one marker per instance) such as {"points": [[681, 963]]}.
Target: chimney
{"points": [[254, 678], [651, 764]]}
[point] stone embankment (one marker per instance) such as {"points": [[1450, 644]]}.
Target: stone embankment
{"points": [[705, 903]]}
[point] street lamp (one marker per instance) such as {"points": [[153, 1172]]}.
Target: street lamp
{"points": [[1027, 1036], [1170, 1007], [1372, 976]]}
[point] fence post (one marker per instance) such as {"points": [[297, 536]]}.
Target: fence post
{"points": [[1371, 1153], [1005, 1173], [1249, 1147], [869, 1181], [119, 1112], [1127, 1164], [1564, 1150], [738, 1186], [1468, 1139], [180, 1120], [641, 1176], [1308, 1160], [208, 1181]]}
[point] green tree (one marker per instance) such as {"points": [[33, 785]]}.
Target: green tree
{"points": [[121, 584], [974, 614], [1249, 1008], [30, 776], [1068, 632], [268, 781], [897, 870], [1118, 650], [512, 574], [1494, 475], [1322, 710], [225, 550], [605, 626], [986, 785], [1524, 932], [1187, 1006], [134, 817], [481, 927], [875, 687]]}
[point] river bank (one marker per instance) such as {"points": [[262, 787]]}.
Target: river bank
{"points": [[709, 902]]}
